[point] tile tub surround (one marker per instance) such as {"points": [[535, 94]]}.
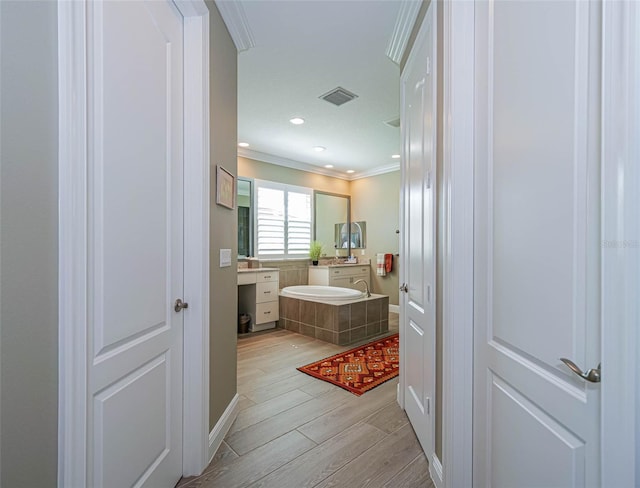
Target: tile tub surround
{"points": [[340, 323]]}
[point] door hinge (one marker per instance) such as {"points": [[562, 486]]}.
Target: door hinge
{"points": [[427, 405]]}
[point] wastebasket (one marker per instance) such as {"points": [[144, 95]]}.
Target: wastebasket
{"points": [[244, 321]]}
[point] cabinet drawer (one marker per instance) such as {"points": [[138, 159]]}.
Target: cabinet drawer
{"points": [[267, 312], [266, 276], [351, 271], [246, 278], [266, 291]]}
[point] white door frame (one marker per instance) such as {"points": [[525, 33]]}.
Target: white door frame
{"points": [[73, 232], [620, 252], [457, 315], [620, 230]]}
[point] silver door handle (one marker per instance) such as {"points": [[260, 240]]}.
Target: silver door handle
{"points": [[404, 288], [593, 375], [180, 305]]}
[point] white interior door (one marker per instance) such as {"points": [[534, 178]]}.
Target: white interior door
{"points": [[135, 243], [418, 256], [537, 243]]}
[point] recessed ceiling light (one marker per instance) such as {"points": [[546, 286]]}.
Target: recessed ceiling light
{"points": [[243, 144], [328, 166], [297, 121], [395, 156], [350, 171], [319, 148]]}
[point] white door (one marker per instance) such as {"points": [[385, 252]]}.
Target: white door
{"points": [[135, 254], [537, 249], [418, 255]]}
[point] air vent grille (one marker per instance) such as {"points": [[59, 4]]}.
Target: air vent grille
{"points": [[338, 96]]}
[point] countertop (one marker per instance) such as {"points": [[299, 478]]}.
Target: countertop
{"points": [[345, 265], [256, 270]]}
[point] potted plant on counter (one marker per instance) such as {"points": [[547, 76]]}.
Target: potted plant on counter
{"points": [[315, 250]]}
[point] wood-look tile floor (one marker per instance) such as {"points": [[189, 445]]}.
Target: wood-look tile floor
{"points": [[297, 431]]}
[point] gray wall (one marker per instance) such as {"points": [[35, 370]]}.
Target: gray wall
{"points": [[28, 243], [224, 222], [376, 200]]}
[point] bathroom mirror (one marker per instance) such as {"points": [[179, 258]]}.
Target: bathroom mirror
{"points": [[329, 209], [351, 239], [245, 218]]}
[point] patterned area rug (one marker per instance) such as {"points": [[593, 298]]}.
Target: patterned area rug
{"points": [[360, 369]]}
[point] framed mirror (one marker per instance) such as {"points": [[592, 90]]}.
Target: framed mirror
{"points": [[245, 217], [354, 238], [330, 209]]}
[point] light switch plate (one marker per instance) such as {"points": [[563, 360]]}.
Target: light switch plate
{"points": [[225, 258]]}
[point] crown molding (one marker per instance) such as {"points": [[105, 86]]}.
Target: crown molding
{"points": [[405, 21], [237, 24], [310, 168], [380, 170]]}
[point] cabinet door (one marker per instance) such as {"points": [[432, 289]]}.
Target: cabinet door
{"points": [[342, 281]]}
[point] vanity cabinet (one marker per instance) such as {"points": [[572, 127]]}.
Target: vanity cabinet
{"points": [[258, 296], [344, 276]]}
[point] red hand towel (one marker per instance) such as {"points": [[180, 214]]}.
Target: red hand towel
{"points": [[388, 262]]}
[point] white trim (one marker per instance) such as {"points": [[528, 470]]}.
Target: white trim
{"points": [[310, 168], [380, 170], [457, 340], [235, 19], [196, 240], [620, 243], [394, 308], [435, 471], [405, 21], [72, 254], [223, 425], [72, 247]]}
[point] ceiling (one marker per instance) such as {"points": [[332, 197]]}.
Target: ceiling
{"points": [[301, 50]]}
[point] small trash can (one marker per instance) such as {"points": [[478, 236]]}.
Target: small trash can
{"points": [[244, 321]]}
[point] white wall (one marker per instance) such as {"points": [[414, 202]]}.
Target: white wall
{"points": [[28, 243]]}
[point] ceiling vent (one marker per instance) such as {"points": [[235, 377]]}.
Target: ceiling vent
{"points": [[393, 122], [338, 96]]}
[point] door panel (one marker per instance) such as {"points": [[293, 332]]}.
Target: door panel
{"points": [[135, 243], [536, 243], [540, 438], [418, 265]]}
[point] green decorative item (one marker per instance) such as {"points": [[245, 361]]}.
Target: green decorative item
{"points": [[315, 250]]}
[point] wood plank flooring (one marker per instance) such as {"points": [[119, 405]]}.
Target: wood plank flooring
{"points": [[297, 431]]}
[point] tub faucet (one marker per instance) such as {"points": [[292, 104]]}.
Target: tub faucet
{"points": [[366, 286]]}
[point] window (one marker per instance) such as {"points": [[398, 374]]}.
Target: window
{"points": [[283, 220]]}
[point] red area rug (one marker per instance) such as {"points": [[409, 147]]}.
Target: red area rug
{"points": [[360, 369]]}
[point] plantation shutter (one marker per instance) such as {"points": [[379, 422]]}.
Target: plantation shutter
{"points": [[299, 223], [283, 220], [271, 222]]}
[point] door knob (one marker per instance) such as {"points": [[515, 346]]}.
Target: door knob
{"points": [[180, 305], [593, 375], [404, 288]]}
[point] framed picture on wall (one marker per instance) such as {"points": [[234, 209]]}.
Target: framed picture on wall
{"points": [[225, 188]]}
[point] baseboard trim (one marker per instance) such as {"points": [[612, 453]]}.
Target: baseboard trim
{"points": [[435, 470], [222, 426], [394, 308]]}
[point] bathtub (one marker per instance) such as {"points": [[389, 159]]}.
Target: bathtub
{"points": [[332, 314], [321, 293]]}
